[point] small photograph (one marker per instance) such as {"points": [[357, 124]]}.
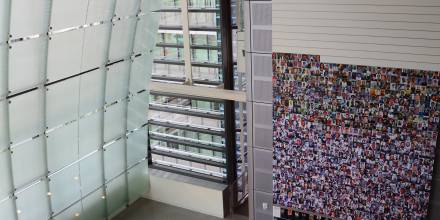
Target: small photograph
{"points": [[353, 142]]}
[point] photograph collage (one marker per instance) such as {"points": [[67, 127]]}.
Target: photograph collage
{"points": [[353, 142]]}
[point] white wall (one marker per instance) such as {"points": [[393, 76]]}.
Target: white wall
{"points": [[388, 33]]}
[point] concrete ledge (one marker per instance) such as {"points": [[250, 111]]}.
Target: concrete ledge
{"points": [[187, 192]]}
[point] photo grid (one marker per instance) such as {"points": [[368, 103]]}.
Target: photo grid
{"points": [[353, 142]]}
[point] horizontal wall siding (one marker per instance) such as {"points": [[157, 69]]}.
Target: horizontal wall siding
{"points": [[392, 33]]}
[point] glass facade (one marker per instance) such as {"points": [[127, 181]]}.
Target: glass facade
{"points": [[73, 105]]}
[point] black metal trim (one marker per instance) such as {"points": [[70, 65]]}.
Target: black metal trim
{"points": [[182, 63], [186, 112], [170, 94], [188, 173], [188, 158], [195, 10], [204, 47], [182, 80], [187, 143], [187, 127], [179, 27]]}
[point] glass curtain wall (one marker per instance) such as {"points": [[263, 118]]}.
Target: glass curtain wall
{"points": [[73, 105]]}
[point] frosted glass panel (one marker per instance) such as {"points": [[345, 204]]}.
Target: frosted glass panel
{"points": [[25, 124], [59, 108], [4, 142], [140, 73], [26, 66], [95, 46], [72, 213], [146, 26], [91, 173], [92, 91], [116, 194], [64, 56], [137, 181], [94, 206], [62, 147], [65, 188], [64, 88], [150, 6], [68, 13], [33, 203], [114, 121], [28, 162], [137, 146], [7, 211], [117, 81], [137, 109], [29, 17], [99, 10], [5, 185], [114, 159], [122, 38], [90, 131], [127, 7]]}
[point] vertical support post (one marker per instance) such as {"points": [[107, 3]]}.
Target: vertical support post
{"points": [[186, 42], [228, 76]]}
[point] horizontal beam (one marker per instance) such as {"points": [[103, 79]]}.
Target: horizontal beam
{"points": [[179, 27], [187, 173], [182, 63], [186, 127], [188, 158], [199, 91], [204, 47], [182, 80], [186, 143], [186, 111], [196, 10]]}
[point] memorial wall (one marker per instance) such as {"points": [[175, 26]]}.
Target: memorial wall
{"points": [[352, 141]]}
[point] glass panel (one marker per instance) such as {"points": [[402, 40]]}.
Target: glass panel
{"points": [[94, 206], [137, 181], [4, 126], [114, 121], [147, 26], [140, 73], [7, 211], [62, 146], [24, 156], [117, 81], [126, 7], [25, 124], [26, 65], [95, 46], [64, 56], [4, 23], [121, 39], [5, 184], [170, 19], [60, 109], [114, 159], [137, 146], [67, 13], [90, 138], [65, 188], [29, 18], [91, 173], [92, 91], [72, 213], [33, 203], [137, 111], [116, 194], [99, 10]]}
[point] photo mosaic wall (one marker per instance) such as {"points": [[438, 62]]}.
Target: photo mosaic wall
{"points": [[353, 142]]}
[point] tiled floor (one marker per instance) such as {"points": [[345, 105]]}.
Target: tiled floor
{"points": [[145, 209]]}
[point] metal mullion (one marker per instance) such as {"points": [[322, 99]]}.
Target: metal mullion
{"points": [[101, 148], [186, 42], [8, 130], [128, 100]]}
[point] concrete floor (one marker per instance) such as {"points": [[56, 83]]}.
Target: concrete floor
{"points": [[145, 209]]}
